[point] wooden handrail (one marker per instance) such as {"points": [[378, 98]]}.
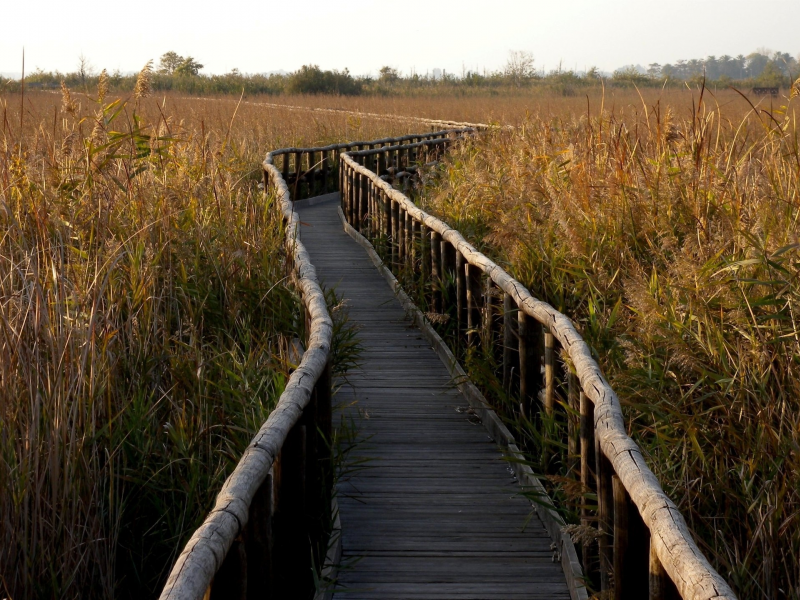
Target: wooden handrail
{"points": [[239, 529], [628, 491]]}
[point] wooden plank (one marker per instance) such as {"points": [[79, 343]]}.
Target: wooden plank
{"points": [[436, 511]]}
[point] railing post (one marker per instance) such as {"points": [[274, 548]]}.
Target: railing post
{"points": [[285, 165], [408, 239], [573, 425], [352, 197], [401, 240], [375, 211], [424, 264], [448, 275], [474, 295], [588, 481], [360, 202], [379, 164], [395, 241], [510, 345], [548, 401], [461, 294], [436, 271], [324, 170], [387, 226], [312, 173], [631, 547], [230, 581], [292, 561], [317, 419], [605, 510], [530, 362], [492, 318], [298, 169], [549, 372], [259, 543], [661, 586]]}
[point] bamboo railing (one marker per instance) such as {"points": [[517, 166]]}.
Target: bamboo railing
{"points": [[645, 548], [266, 532]]}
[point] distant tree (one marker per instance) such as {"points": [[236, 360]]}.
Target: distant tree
{"points": [[388, 75], [169, 62], [85, 69], [756, 63], [654, 70], [519, 67], [630, 76], [771, 76], [189, 66], [310, 79], [593, 74]]}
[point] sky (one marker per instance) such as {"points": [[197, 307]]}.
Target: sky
{"points": [[364, 35]]}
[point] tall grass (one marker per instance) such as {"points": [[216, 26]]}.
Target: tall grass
{"points": [[145, 322], [671, 238]]}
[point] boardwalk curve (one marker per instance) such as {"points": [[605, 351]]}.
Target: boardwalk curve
{"points": [[436, 512], [269, 526]]}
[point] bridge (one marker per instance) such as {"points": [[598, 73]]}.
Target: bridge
{"points": [[438, 501]]}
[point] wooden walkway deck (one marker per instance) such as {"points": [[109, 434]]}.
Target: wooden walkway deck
{"points": [[436, 513]]}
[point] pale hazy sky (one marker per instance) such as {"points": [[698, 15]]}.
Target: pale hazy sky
{"points": [[364, 35]]}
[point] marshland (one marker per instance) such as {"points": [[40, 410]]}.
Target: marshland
{"points": [[148, 311]]}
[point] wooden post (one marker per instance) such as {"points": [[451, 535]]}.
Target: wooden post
{"points": [[661, 586], [573, 425], [379, 164], [395, 241], [362, 203], [285, 165], [474, 296], [530, 369], [376, 213], [387, 226], [449, 290], [436, 271], [414, 246], [341, 187], [292, 558], [355, 188], [631, 548], [230, 582], [588, 481], [510, 345], [324, 170], [409, 243], [461, 294], [549, 372], [259, 543], [350, 185], [605, 506], [401, 241], [298, 170], [313, 174], [424, 265], [492, 319]]}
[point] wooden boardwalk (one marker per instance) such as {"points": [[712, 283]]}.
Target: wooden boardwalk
{"points": [[436, 513]]}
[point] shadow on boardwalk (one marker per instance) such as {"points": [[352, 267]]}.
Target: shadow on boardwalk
{"points": [[437, 515]]}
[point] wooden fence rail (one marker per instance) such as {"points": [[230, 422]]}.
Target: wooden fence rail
{"points": [[268, 522], [645, 549], [259, 539]]}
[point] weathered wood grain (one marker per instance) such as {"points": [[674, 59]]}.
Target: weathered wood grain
{"points": [[674, 546], [206, 550], [437, 512]]}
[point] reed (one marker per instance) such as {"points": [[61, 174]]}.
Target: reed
{"points": [[146, 323], [669, 235]]}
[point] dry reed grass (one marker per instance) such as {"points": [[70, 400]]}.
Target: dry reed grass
{"points": [[144, 325], [670, 234]]}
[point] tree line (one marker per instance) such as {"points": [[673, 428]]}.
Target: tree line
{"points": [[183, 74]]}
